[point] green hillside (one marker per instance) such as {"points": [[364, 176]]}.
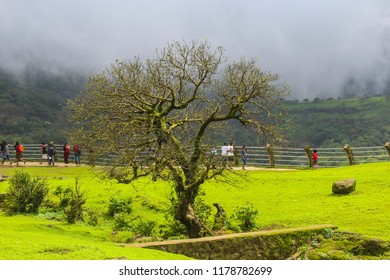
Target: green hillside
{"points": [[336, 122], [33, 111], [33, 105]]}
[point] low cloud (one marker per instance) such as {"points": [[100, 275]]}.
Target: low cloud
{"points": [[318, 47]]}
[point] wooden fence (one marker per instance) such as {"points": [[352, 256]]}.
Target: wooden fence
{"points": [[265, 156]]}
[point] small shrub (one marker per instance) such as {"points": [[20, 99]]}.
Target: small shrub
{"points": [[122, 221], [328, 233], [144, 227], [74, 210], [246, 217], [91, 217], [172, 229], [50, 215], [64, 195], [202, 210], [25, 195], [119, 205]]}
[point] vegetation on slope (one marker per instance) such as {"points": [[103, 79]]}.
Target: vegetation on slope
{"points": [[33, 111], [359, 122], [282, 199], [33, 105]]}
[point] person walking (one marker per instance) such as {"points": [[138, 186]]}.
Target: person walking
{"points": [[51, 152], [77, 153], [214, 157], [244, 154], [230, 155], [315, 159], [44, 156], [224, 150], [66, 150], [19, 149], [5, 154]]}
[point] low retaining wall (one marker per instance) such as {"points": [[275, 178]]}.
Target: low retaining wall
{"points": [[260, 245]]}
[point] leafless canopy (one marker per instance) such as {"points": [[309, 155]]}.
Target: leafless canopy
{"points": [[161, 112]]}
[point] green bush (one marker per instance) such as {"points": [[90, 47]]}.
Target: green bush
{"points": [[122, 221], [74, 210], [202, 210], [64, 195], [172, 228], [119, 205], [25, 195], [144, 227], [91, 217], [246, 217]]}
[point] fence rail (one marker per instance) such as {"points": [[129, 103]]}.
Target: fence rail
{"points": [[260, 156]]}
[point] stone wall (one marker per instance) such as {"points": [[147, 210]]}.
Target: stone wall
{"points": [[261, 245]]}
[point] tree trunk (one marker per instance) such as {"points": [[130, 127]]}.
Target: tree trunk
{"points": [[185, 213]]}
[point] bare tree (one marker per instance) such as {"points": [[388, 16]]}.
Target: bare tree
{"points": [[162, 112]]}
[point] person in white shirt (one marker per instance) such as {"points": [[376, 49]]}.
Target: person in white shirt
{"points": [[224, 150], [230, 155]]}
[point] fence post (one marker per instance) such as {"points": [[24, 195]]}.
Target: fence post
{"points": [[348, 150], [309, 155], [387, 146], [271, 154]]}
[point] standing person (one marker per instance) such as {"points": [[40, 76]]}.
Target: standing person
{"points": [[224, 150], [5, 152], [19, 149], [214, 151], [2, 151], [315, 159], [214, 154], [66, 149], [51, 152], [244, 154], [77, 153], [230, 155], [44, 153]]}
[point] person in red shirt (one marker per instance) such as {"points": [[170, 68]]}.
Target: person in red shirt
{"points": [[66, 149], [315, 159], [19, 153]]}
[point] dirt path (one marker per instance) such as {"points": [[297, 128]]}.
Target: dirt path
{"points": [[37, 164], [62, 164]]}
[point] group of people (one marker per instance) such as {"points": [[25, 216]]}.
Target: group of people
{"points": [[49, 153], [228, 154], [5, 152]]}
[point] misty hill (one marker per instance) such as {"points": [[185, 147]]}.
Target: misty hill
{"points": [[32, 104], [335, 122], [33, 111]]}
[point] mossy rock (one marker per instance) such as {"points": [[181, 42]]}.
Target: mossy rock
{"points": [[349, 246]]}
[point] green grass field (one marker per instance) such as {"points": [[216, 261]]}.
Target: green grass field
{"points": [[285, 199]]}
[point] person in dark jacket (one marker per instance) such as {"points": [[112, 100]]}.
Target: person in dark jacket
{"points": [[51, 152], [5, 155]]}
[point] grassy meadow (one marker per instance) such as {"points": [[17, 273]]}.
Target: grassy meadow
{"points": [[284, 199]]}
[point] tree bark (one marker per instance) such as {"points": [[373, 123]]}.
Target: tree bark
{"points": [[185, 213]]}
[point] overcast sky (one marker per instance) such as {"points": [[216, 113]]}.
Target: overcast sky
{"points": [[315, 45]]}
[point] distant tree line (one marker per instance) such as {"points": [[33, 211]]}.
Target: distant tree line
{"points": [[33, 110]]}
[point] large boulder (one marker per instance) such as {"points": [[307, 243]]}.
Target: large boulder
{"points": [[344, 186]]}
